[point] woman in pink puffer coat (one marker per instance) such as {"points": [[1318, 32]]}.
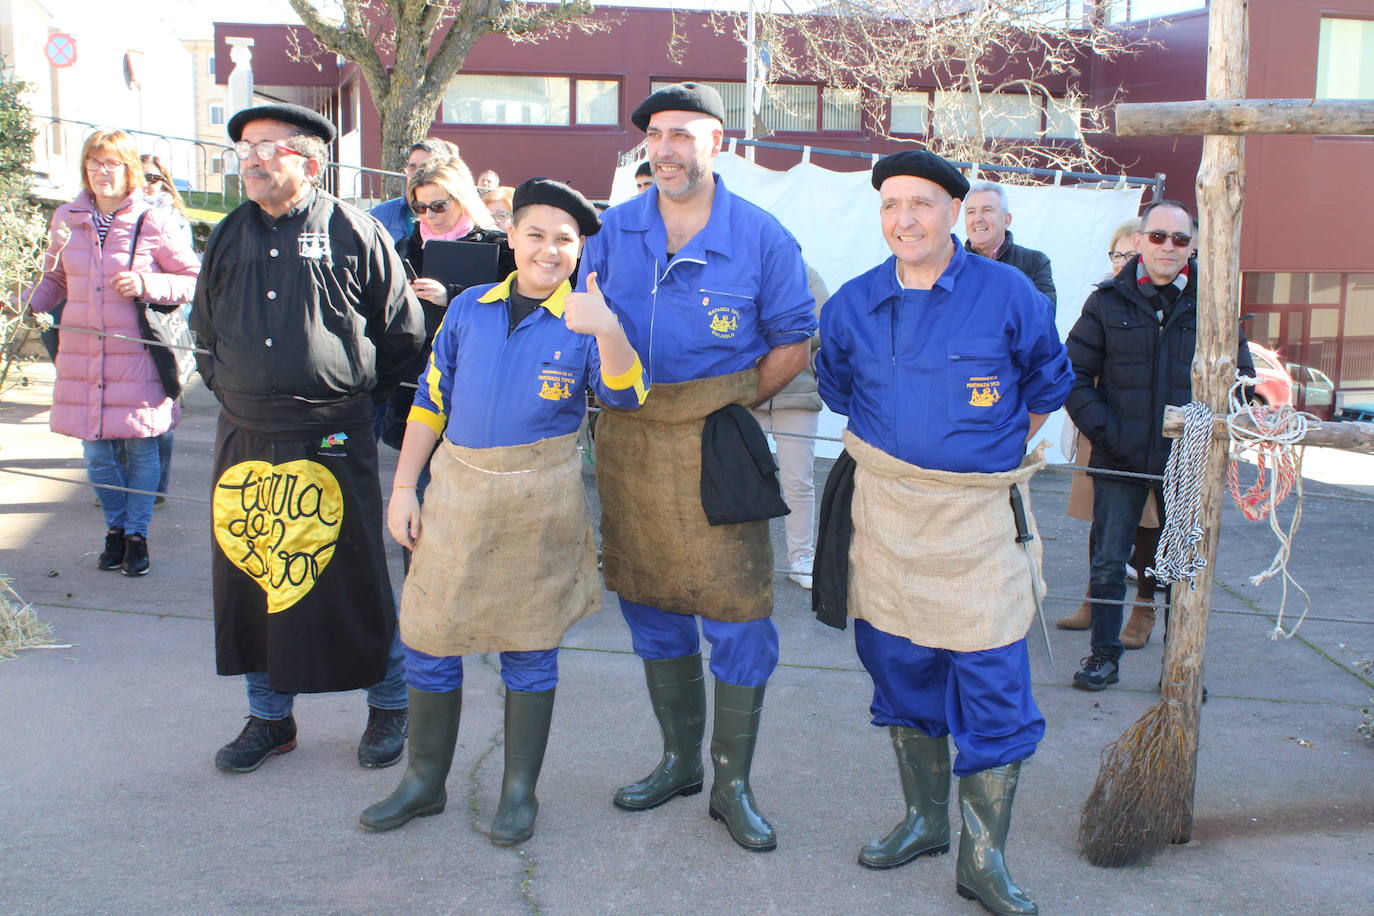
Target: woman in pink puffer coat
{"points": [[108, 393]]}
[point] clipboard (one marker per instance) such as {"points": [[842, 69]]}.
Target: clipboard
{"points": [[462, 264]]}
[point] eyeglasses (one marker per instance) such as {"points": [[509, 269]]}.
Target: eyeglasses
{"points": [[263, 149], [411, 166], [103, 165], [1159, 237], [439, 206], [152, 177], [1122, 255]]}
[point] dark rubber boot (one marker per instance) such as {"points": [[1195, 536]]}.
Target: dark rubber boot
{"points": [[527, 734], [923, 764], [985, 800], [678, 694], [733, 738], [433, 735]]}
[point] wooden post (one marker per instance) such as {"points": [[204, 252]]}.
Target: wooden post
{"points": [[1220, 194], [1246, 116]]}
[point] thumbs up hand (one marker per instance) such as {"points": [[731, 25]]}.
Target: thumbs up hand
{"points": [[588, 313]]}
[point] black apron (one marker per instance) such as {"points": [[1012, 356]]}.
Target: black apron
{"points": [[300, 580]]}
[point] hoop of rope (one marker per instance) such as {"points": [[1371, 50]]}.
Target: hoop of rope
{"points": [[1275, 434], [1178, 557]]}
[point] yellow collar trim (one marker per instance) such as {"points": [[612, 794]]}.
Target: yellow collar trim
{"points": [[554, 303]]}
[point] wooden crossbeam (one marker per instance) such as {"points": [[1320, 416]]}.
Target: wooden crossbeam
{"points": [[1353, 437], [1246, 116]]}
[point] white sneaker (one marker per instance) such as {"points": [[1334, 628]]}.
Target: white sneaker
{"points": [[1130, 573], [801, 572]]}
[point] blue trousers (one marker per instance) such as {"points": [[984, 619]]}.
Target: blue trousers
{"points": [[388, 693], [1117, 505], [980, 699], [523, 672], [744, 653], [132, 463]]}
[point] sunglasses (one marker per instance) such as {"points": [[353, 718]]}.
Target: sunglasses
{"points": [[152, 177], [439, 206], [1159, 237]]}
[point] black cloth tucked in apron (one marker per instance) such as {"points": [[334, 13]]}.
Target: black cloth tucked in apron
{"points": [[739, 478], [834, 532], [299, 571]]}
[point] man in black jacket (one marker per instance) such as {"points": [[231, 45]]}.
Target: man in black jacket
{"points": [[1132, 352], [986, 219]]}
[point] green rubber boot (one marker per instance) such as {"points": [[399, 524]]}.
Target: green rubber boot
{"points": [[527, 734], [433, 735], [732, 751], [923, 765], [985, 800], [678, 694]]}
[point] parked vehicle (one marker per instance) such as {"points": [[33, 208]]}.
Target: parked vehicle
{"points": [[1275, 385], [1317, 391]]}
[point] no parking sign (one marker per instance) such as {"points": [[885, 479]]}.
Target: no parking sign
{"points": [[60, 49]]}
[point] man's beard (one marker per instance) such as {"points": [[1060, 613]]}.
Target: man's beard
{"points": [[695, 173]]}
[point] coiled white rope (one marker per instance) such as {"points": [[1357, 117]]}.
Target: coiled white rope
{"points": [[1178, 557]]}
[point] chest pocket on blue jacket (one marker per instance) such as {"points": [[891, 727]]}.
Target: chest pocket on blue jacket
{"points": [[725, 311], [979, 382]]}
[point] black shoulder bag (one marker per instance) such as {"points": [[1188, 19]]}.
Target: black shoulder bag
{"points": [[169, 337]]}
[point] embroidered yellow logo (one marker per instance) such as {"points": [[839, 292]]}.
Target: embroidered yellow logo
{"points": [[724, 322], [279, 524], [983, 390], [555, 383]]}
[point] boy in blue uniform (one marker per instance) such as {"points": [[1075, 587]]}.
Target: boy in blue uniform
{"points": [[505, 514]]}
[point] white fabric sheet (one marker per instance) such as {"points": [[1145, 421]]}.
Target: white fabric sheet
{"points": [[834, 216]]}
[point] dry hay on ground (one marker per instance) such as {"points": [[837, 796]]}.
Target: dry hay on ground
{"points": [[20, 627]]}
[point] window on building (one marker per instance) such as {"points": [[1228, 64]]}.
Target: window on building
{"points": [[216, 114], [211, 61], [1004, 115], [1136, 10], [1345, 59], [1063, 118], [217, 165], [546, 101], [346, 105], [910, 112], [790, 107]]}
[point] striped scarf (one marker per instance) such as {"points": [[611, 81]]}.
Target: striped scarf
{"points": [[102, 223]]}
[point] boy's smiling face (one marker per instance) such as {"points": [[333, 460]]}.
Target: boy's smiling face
{"points": [[546, 245]]}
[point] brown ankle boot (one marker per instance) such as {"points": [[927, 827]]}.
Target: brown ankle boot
{"points": [[1080, 619], [1136, 632]]}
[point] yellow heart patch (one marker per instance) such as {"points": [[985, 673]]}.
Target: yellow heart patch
{"points": [[279, 524]]}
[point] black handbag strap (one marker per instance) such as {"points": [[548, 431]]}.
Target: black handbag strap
{"points": [[133, 245]]}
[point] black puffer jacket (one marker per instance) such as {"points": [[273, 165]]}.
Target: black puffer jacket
{"points": [[1034, 264], [1128, 367]]}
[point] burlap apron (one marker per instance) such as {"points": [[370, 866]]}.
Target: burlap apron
{"points": [[657, 547], [505, 561], [934, 557]]}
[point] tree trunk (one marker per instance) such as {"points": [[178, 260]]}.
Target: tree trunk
{"points": [[1353, 437], [1221, 191]]}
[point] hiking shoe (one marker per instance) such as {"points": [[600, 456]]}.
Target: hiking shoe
{"points": [[135, 555], [260, 739], [384, 738], [112, 557], [1099, 670]]}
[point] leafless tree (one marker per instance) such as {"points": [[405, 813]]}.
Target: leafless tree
{"points": [[410, 50], [974, 58]]}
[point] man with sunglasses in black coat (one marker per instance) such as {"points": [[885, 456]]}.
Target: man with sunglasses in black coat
{"points": [[1132, 352]]}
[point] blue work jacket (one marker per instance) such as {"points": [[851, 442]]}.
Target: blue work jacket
{"points": [[395, 217], [734, 292], [943, 378], [483, 389]]}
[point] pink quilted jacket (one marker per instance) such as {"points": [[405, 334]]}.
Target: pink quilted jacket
{"points": [[108, 388]]}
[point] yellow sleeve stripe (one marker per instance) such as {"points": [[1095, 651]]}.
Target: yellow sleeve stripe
{"points": [[432, 379], [632, 377], [424, 415]]}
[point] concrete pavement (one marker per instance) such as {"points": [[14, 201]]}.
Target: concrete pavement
{"points": [[112, 803]]}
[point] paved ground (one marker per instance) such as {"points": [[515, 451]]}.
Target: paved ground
{"points": [[112, 804]]}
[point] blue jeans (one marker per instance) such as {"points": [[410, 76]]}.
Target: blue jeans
{"points": [[1117, 505], [164, 454], [743, 653], [388, 693], [981, 699], [132, 463]]}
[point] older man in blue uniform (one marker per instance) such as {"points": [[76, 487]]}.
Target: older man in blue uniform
{"points": [[712, 293], [945, 363]]}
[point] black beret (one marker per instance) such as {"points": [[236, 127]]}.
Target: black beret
{"points": [[921, 163], [557, 194], [309, 121], [680, 97]]}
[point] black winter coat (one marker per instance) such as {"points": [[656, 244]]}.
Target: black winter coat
{"points": [[1034, 264], [1128, 367]]}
